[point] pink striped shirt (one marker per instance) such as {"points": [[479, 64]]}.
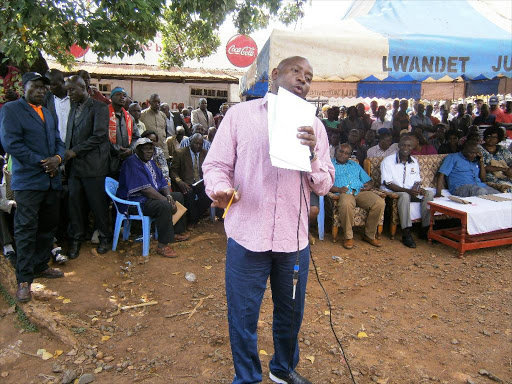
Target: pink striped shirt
{"points": [[265, 218]]}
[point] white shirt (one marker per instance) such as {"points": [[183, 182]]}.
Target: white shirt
{"points": [[401, 174], [62, 108], [376, 151], [378, 124], [170, 126]]}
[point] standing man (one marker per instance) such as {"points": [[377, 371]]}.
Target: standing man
{"points": [[93, 92], [261, 225], [169, 130], [203, 116], [400, 173], [122, 131], [57, 101], [87, 164], [30, 134], [136, 111], [155, 120], [222, 112], [400, 120]]}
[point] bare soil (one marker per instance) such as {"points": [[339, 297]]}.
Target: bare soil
{"points": [[428, 316]]}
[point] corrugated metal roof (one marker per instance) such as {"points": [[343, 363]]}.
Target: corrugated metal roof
{"points": [[153, 72]]}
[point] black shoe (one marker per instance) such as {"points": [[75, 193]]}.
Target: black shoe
{"points": [[50, 273], [408, 240], [290, 378], [74, 250], [104, 246]]}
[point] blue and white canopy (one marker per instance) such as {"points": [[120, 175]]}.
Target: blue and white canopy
{"points": [[386, 42]]}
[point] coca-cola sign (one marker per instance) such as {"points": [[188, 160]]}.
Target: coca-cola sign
{"points": [[241, 50]]}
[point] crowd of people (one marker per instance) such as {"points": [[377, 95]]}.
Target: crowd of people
{"points": [[61, 138], [473, 136]]}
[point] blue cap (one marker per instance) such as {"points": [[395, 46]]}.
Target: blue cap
{"points": [[117, 90]]}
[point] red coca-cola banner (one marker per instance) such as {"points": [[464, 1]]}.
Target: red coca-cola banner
{"points": [[241, 50]]}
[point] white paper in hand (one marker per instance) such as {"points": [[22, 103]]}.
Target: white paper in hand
{"points": [[286, 113]]}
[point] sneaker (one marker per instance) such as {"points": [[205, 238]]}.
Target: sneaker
{"points": [[59, 258], [290, 378]]}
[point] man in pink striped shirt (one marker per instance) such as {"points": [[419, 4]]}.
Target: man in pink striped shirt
{"points": [[267, 225]]}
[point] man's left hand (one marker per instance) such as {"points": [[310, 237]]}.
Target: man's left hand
{"points": [[307, 137], [50, 164]]}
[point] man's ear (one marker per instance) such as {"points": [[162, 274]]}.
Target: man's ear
{"points": [[274, 74]]}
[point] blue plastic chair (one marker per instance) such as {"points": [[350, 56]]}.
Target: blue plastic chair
{"points": [[321, 218], [111, 186]]}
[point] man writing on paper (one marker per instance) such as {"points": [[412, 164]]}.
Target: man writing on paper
{"points": [[261, 225]]}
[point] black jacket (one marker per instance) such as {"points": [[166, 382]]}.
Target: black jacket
{"points": [[88, 138]]}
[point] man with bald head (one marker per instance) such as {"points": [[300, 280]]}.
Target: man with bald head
{"points": [[267, 224], [155, 120], [203, 116], [87, 164]]}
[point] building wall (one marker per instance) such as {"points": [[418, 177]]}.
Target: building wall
{"points": [[171, 93]]}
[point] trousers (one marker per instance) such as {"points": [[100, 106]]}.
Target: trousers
{"points": [[404, 209], [196, 202], [35, 223], [247, 273], [367, 200], [92, 190], [468, 190]]}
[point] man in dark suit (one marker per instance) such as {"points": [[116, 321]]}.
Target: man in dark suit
{"points": [[57, 100], [186, 171], [29, 133], [87, 164]]}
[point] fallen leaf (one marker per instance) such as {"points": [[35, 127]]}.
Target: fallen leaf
{"points": [[45, 355], [57, 353], [383, 381], [207, 267], [105, 285], [263, 352], [109, 320], [362, 335], [311, 358], [327, 313], [66, 301], [105, 338], [508, 332], [175, 273], [434, 316], [60, 298]]}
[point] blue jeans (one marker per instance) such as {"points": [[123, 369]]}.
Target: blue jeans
{"points": [[246, 279]]}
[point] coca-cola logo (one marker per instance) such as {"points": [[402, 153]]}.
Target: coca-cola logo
{"points": [[241, 50]]}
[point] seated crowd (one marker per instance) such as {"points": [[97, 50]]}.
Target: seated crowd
{"points": [[61, 139], [400, 135]]}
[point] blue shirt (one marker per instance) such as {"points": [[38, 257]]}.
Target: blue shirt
{"points": [[186, 143], [460, 171], [349, 175]]}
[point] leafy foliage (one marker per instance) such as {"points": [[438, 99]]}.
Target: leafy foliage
{"points": [[119, 28]]}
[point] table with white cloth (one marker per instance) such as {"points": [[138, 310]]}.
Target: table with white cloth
{"points": [[484, 223]]}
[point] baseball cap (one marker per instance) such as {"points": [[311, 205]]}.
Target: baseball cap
{"points": [[33, 76], [142, 141], [493, 100]]}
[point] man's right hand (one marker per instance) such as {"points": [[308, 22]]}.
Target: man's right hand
{"points": [[221, 198], [184, 187], [413, 192]]}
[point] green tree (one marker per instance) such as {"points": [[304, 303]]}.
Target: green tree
{"points": [[119, 28]]}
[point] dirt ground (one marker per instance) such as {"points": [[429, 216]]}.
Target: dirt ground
{"points": [[403, 316]]}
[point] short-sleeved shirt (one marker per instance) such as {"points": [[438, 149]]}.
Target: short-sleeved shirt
{"points": [[376, 151], [460, 171], [378, 124], [349, 175], [393, 171], [401, 120]]}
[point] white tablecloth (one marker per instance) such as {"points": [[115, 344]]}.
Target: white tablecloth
{"points": [[483, 215]]}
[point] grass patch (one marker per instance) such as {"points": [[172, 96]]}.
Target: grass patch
{"points": [[22, 321]]}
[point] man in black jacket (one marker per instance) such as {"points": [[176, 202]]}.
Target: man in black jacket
{"points": [[87, 164]]}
